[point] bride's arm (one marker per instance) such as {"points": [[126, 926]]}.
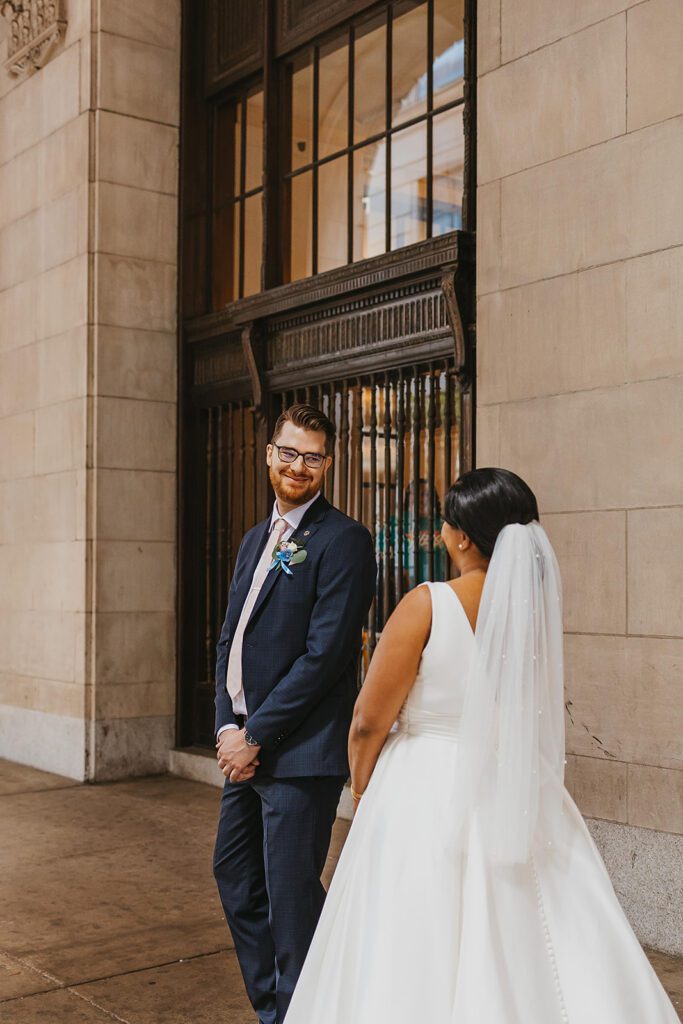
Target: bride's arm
{"points": [[389, 680]]}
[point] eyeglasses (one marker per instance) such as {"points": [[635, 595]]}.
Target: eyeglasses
{"points": [[313, 460]]}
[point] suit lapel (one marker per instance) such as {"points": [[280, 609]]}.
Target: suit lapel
{"points": [[307, 527]]}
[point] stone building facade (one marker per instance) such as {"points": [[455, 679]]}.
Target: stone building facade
{"points": [[579, 344]]}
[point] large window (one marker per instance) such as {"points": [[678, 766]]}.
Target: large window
{"points": [[369, 144], [376, 137]]}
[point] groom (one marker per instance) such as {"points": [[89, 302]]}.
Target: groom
{"points": [[285, 688]]}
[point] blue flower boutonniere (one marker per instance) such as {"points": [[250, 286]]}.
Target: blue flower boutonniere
{"points": [[285, 554]]}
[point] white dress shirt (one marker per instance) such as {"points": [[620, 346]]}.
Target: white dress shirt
{"points": [[293, 520]]}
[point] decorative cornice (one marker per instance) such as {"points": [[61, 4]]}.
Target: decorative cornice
{"points": [[36, 29]]}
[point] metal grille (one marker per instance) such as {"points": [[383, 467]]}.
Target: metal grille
{"points": [[400, 445]]}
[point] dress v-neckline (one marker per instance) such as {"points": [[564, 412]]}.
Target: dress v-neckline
{"points": [[461, 606]]}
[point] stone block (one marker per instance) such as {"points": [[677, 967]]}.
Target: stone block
{"points": [[136, 223], [50, 235], [655, 571], [136, 435], [624, 699], [654, 285], [602, 446], [524, 113], [655, 70], [41, 104], [61, 436], [62, 367], [16, 510], [136, 293], [137, 153], [44, 645], [132, 647], [645, 868], [135, 577], [135, 700], [155, 21], [529, 24], [591, 550], [135, 505], [54, 743], [57, 575], [139, 79], [59, 299], [488, 435], [18, 380], [599, 788], [17, 446], [488, 35], [136, 364], [131, 746], [488, 237], [565, 334], [616, 200], [655, 798], [54, 697]]}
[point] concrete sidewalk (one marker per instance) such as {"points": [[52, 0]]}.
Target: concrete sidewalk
{"points": [[108, 908]]}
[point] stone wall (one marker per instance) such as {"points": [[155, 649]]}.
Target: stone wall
{"points": [[88, 181], [580, 325]]}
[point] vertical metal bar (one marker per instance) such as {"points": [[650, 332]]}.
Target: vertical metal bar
{"points": [[447, 457], [388, 566], [416, 423], [431, 423], [254, 459], [208, 528], [400, 473], [373, 496], [316, 104], [358, 443], [243, 466], [240, 204], [221, 527], [230, 511], [332, 415], [344, 450]]}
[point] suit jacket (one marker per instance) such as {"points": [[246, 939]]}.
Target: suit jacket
{"points": [[302, 644]]}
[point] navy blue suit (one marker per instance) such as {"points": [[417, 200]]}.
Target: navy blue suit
{"points": [[300, 658]]}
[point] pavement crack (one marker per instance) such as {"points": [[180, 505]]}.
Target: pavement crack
{"points": [[98, 1006]]}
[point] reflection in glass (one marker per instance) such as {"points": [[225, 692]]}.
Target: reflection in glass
{"points": [[369, 201], [254, 161], [409, 62], [301, 214], [369, 79], [408, 186], [332, 214], [301, 71], [253, 244], [448, 155], [449, 51], [333, 76]]}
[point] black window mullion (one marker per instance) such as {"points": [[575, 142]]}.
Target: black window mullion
{"points": [[430, 120], [387, 147], [240, 199], [316, 111], [349, 141]]}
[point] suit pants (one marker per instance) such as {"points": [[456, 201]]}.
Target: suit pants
{"points": [[272, 842]]}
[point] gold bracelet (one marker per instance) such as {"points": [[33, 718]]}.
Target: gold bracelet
{"points": [[356, 796]]}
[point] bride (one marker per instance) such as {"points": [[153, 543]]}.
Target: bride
{"points": [[469, 890]]}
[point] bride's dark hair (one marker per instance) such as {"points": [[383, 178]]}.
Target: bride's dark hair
{"points": [[483, 501]]}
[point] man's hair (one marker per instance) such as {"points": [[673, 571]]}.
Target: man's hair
{"points": [[308, 418]]}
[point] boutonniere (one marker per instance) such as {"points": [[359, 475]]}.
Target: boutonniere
{"points": [[287, 553]]}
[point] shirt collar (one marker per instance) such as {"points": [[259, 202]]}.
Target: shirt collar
{"points": [[293, 518]]}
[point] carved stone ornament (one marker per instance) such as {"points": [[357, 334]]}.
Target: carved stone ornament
{"points": [[36, 28]]}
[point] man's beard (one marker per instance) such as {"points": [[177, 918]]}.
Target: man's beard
{"points": [[285, 489]]}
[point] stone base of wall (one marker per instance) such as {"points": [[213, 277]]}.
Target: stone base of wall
{"points": [[646, 869], [53, 743], [124, 747]]}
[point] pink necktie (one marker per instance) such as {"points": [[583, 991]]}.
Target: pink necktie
{"points": [[234, 675]]}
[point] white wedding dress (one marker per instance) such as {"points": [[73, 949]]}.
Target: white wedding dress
{"points": [[421, 927]]}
